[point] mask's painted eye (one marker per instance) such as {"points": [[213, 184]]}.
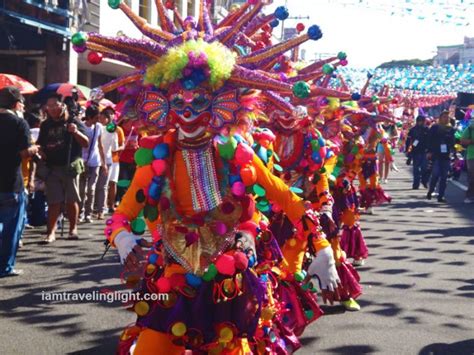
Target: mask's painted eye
{"points": [[201, 102], [178, 103]]}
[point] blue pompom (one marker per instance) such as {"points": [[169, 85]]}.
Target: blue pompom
{"points": [[274, 23], [356, 96], [252, 261], [314, 32], [161, 151], [316, 158], [193, 280], [369, 75], [155, 191], [281, 13], [153, 258]]}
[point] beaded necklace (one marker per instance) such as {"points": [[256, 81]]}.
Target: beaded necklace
{"points": [[201, 168]]}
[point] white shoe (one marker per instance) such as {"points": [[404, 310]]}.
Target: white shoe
{"points": [[360, 262], [88, 219], [468, 200]]}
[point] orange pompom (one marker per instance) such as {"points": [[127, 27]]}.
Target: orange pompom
{"points": [[248, 175]]}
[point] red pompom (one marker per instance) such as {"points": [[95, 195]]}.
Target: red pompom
{"points": [[94, 58], [300, 27], [226, 265], [163, 284]]}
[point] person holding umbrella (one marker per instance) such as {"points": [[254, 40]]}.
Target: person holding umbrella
{"points": [[61, 139]]}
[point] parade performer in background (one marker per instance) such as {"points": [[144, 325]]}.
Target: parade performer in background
{"points": [[191, 184]]}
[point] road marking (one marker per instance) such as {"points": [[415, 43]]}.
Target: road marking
{"points": [[458, 184]]}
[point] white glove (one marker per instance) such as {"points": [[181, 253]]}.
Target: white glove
{"points": [[324, 267], [125, 242]]}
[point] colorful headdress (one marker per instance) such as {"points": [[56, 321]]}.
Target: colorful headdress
{"points": [[191, 54]]}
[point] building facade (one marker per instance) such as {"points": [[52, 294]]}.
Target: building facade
{"points": [[457, 54], [35, 37]]}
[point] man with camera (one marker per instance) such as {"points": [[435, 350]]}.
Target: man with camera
{"points": [[61, 139]]}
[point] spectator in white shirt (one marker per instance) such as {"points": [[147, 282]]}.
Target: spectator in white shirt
{"points": [[110, 144], [94, 161]]}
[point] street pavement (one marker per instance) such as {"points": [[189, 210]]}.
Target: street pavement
{"points": [[418, 287]]}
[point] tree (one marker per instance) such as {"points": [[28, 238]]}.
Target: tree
{"points": [[406, 63]]}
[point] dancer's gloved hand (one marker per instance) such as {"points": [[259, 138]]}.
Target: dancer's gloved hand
{"points": [[129, 247], [327, 223], [323, 267]]}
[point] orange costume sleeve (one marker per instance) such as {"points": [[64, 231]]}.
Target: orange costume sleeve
{"points": [[293, 206]]}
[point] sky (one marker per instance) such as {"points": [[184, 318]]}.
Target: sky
{"points": [[371, 34]]}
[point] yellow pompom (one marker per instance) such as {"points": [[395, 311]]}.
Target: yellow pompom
{"points": [[178, 329], [141, 308], [225, 335]]}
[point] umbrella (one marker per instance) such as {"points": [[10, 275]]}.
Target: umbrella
{"points": [[12, 80], [103, 104], [64, 89]]}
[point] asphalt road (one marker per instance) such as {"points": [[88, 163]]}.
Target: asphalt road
{"points": [[418, 287]]}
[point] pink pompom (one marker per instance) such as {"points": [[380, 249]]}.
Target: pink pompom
{"points": [[238, 189], [159, 166], [220, 228], [243, 154], [225, 264]]}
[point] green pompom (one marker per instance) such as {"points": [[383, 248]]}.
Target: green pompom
{"points": [[299, 276], [143, 156], [301, 90], [138, 226], [115, 4], [210, 274], [227, 150], [328, 69], [111, 127], [79, 39], [341, 55]]}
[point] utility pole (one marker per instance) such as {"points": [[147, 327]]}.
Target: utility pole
{"points": [[290, 18]]}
